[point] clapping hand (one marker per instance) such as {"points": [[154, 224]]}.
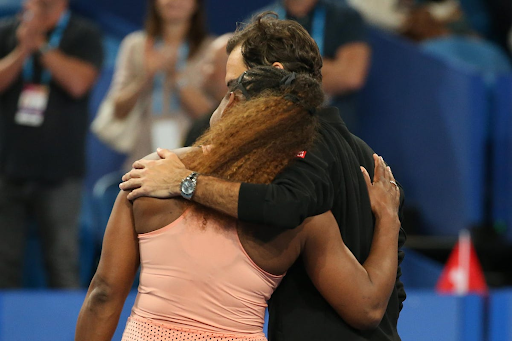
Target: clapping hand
{"points": [[159, 59], [31, 31]]}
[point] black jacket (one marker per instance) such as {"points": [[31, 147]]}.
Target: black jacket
{"points": [[328, 178]]}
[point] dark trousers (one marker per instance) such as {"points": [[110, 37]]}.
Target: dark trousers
{"points": [[56, 210]]}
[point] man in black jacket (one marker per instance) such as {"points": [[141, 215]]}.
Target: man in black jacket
{"points": [[327, 177]]}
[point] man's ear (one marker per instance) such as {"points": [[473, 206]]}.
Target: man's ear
{"points": [[278, 65]]}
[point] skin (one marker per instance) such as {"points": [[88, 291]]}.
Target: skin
{"points": [[176, 15], [214, 68], [39, 17], [361, 301]]}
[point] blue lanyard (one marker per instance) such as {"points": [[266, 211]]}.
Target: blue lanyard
{"points": [[53, 42], [317, 27], [159, 80]]}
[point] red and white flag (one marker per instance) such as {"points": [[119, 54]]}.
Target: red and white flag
{"points": [[463, 273]]}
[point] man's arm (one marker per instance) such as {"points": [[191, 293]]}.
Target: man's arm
{"points": [[12, 63], [303, 189], [61, 66], [11, 66], [81, 58], [347, 71], [161, 178]]}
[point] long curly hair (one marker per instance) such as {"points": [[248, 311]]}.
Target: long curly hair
{"points": [[272, 120]]}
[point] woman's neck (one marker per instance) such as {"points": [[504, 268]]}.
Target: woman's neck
{"points": [[175, 33]]}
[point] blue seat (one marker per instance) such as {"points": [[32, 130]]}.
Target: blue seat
{"points": [[483, 56]]}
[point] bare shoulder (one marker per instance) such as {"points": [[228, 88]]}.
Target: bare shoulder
{"points": [[151, 214]]}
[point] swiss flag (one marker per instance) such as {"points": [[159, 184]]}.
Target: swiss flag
{"points": [[462, 273]]}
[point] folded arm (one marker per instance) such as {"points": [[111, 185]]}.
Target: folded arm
{"points": [[61, 66]]}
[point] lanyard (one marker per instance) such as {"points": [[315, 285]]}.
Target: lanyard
{"points": [[159, 81], [317, 27], [53, 42]]}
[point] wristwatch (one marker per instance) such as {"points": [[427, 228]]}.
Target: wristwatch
{"points": [[188, 186]]}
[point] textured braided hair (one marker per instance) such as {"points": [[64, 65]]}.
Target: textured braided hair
{"points": [[269, 123], [266, 40]]}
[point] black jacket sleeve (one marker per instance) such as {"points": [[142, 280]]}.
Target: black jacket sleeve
{"points": [[302, 190]]}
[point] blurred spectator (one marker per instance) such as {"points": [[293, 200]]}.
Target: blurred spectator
{"points": [[49, 61], [425, 20], [340, 33], [156, 75], [214, 84], [436, 18], [386, 14]]}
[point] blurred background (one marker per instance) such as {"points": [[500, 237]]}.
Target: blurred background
{"points": [[435, 101]]}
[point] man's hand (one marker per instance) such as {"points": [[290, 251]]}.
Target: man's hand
{"points": [[155, 178], [31, 31]]}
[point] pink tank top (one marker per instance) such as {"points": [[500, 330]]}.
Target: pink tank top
{"points": [[196, 274]]}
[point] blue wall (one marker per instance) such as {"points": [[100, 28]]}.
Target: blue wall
{"points": [[502, 156], [426, 316], [429, 121]]}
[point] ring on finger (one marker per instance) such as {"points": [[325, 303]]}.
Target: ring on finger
{"points": [[394, 183]]}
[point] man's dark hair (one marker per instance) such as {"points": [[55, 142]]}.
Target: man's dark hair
{"points": [[267, 40]]}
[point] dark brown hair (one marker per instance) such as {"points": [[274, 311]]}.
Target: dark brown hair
{"points": [[267, 40], [197, 30], [258, 137]]}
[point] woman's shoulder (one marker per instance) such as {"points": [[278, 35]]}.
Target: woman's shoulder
{"points": [[135, 38]]}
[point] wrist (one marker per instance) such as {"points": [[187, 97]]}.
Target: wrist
{"points": [[188, 185], [44, 48], [23, 51], [388, 218]]}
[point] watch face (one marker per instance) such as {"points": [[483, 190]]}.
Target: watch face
{"points": [[188, 187]]}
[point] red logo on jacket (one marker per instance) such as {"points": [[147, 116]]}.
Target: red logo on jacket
{"points": [[302, 154]]}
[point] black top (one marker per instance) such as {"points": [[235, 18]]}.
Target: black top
{"points": [[55, 150], [328, 178]]}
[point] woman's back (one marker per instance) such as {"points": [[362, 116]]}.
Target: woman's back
{"points": [[195, 272]]}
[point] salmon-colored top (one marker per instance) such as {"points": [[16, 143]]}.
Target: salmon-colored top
{"points": [[196, 274]]}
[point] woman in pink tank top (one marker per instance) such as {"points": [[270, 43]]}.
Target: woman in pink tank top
{"points": [[206, 276]]}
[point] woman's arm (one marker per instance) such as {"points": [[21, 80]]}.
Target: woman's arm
{"points": [[359, 293], [129, 81], [114, 277]]}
